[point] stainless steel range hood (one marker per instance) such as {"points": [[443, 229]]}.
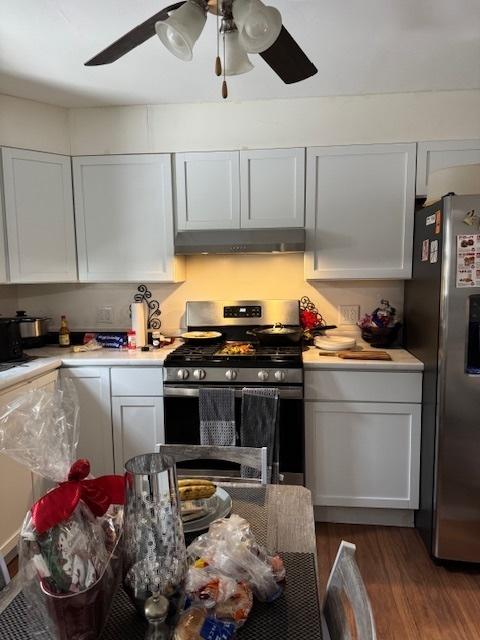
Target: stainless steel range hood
{"points": [[234, 241]]}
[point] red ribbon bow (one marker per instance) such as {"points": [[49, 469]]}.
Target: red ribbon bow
{"points": [[59, 503]]}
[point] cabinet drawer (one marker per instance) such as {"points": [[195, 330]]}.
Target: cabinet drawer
{"points": [[363, 386], [137, 381]]}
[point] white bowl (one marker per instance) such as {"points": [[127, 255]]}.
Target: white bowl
{"points": [[334, 343]]}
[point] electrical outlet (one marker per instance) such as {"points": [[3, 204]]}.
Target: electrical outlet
{"points": [[348, 313], [105, 315]]}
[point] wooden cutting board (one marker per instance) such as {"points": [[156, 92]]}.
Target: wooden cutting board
{"points": [[357, 355]]}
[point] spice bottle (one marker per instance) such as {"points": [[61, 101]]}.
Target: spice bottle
{"points": [[132, 340], [64, 333]]}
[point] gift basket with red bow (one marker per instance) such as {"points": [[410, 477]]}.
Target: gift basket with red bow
{"points": [[70, 541]]}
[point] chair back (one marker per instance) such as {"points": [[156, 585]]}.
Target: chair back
{"points": [[346, 583], [4, 574], [255, 457]]}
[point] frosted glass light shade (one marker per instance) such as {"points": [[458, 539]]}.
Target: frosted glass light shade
{"points": [[236, 60], [258, 25], [182, 29]]}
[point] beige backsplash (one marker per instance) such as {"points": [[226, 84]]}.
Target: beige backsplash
{"points": [[208, 278]]}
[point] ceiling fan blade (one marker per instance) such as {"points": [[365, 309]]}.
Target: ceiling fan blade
{"points": [[132, 39], [287, 59]]}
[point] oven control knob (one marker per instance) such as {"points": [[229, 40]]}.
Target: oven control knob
{"points": [[199, 374], [280, 376], [263, 375], [230, 374], [182, 374]]}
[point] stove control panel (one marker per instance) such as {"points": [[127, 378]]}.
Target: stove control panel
{"points": [[248, 311], [272, 376]]}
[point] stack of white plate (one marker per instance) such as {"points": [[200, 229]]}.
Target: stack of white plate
{"points": [[334, 343]]}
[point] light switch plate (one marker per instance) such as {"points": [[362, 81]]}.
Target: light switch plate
{"points": [[105, 315], [348, 313]]}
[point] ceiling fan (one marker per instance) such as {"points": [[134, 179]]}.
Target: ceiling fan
{"points": [[243, 27]]}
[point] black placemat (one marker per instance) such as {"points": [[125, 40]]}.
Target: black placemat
{"points": [[294, 616]]}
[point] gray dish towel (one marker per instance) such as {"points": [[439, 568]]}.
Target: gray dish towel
{"points": [[217, 416], [259, 427]]}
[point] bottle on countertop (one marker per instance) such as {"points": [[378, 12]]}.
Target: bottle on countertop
{"points": [[64, 333]]}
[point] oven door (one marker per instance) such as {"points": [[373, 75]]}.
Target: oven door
{"points": [[182, 426]]}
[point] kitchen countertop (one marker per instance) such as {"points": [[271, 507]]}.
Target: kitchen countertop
{"points": [[402, 360], [27, 371], [106, 357], [53, 357]]}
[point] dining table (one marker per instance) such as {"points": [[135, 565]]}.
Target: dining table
{"points": [[281, 518]]}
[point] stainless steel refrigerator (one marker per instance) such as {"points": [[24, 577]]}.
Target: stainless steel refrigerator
{"points": [[442, 328]]}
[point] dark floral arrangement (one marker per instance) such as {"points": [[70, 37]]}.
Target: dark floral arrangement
{"points": [[310, 318]]}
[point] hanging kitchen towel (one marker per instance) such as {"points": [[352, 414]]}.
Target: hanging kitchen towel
{"points": [[259, 427], [217, 416]]}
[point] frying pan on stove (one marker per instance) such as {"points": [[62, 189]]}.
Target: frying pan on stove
{"points": [[278, 335]]}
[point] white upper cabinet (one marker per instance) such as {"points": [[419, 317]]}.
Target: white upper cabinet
{"points": [[272, 188], [124, 218], [442, 154], [39, 216], [359, 211], [208, 190]]}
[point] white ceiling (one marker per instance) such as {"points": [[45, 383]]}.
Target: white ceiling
{"points": [[359, 46]]}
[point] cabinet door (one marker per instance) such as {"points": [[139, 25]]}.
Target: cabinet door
{"points": [[272, 188], [434, 155], [95, 421], [363, 454], [208, 190], [39, 216], [359, 211], [137, 427], [124, 218]]}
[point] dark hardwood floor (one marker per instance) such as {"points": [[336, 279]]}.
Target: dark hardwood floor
{"points": [[412, 598]]}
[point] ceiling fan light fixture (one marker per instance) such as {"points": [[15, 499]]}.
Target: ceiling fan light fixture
{"points": [[258, 25], [182, 29], [235, 60]]}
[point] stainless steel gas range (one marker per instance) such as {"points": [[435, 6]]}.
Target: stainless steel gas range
{"points": [[237, 359]]}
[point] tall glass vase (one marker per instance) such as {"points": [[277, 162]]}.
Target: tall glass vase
{"points": [[155, 556]]}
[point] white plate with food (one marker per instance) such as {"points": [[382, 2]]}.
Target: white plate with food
{"points": [[201, 335], [199, 512]]}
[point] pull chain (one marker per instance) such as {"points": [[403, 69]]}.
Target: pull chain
{"points": [[224, 83], [218, 62]]}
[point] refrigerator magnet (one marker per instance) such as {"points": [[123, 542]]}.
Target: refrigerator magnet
{"points": [[425, 250], [434, 251], [430, 220], [438, 222]]}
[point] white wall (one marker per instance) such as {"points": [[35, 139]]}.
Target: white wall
{"points": [[276, 123], [224, 125], [33, 125], [208, 278]]}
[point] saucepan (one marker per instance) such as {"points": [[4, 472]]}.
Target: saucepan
{"points": [[33, 329], [278, 335]]}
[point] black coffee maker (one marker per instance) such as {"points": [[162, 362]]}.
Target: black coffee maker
{"points": [[10, 340]]}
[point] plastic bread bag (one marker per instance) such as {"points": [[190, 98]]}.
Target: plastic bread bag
{"points": [[230, 547], [226, 599], [71, 533], [197, 624]]}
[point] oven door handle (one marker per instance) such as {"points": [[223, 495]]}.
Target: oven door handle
{"points": [[182, 391]]}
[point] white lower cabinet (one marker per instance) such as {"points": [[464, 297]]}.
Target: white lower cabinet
{"points": [[363, 454], [17, 483], [137, 427], [95, 438]]}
